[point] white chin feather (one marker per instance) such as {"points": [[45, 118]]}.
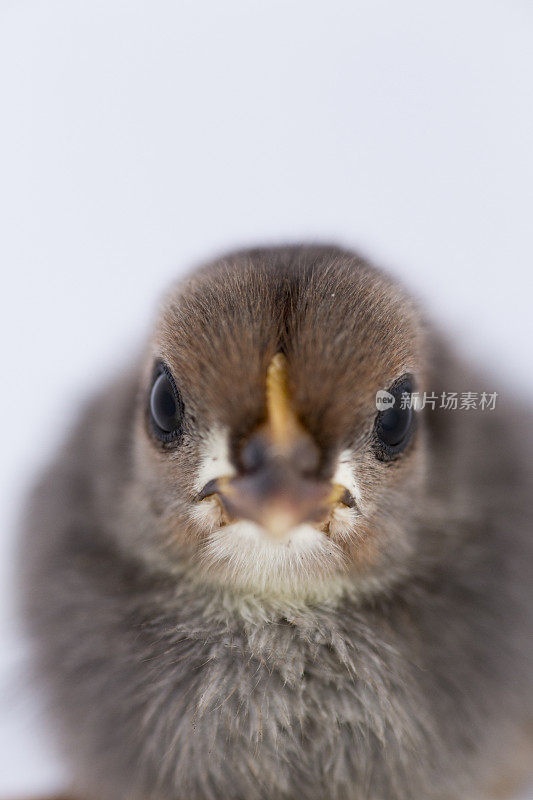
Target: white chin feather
{"points": [[246, 555]]}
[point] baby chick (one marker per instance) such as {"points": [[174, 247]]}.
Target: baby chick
{"points": [[246, 581]]}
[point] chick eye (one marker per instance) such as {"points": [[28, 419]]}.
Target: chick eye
{"points": [[394, 425], [166, 408]]}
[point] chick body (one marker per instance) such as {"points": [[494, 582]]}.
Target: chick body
{"points": [[386, 657]]}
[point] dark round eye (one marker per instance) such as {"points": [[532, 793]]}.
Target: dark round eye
{"points": [[394, 425], [165, 407]]}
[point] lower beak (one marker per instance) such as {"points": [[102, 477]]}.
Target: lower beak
{"points": [[277, 498]]}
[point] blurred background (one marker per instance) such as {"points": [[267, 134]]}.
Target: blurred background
{"points": [[138, 138]]}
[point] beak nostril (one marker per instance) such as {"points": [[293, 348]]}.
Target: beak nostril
{"points": [[306, 457], [257, 454], [253, 455]]}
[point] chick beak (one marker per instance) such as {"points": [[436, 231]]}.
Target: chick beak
{"points": [[276, 487]]}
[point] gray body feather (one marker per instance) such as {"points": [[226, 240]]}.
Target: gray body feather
{"points": [[164, 686]]}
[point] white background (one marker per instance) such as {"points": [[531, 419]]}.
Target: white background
{"points": [[137, 138]]}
